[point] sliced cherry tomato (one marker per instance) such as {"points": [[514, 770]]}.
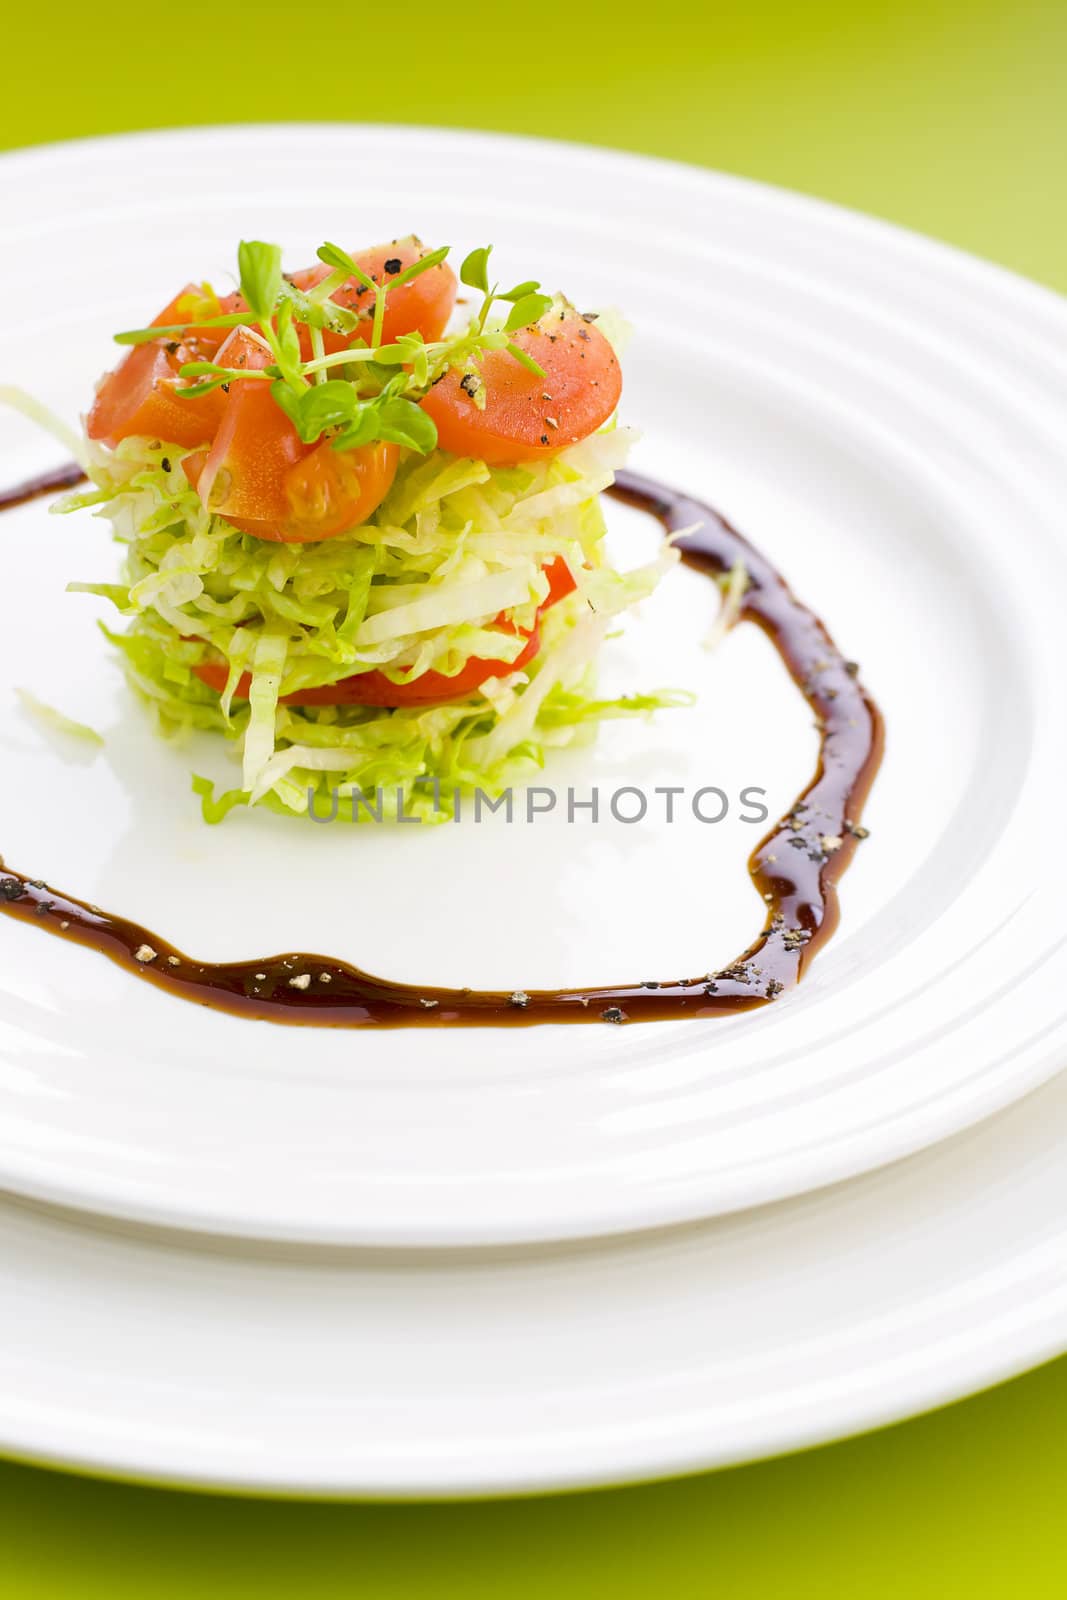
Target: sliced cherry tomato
{"points": [[326, 492], [526, 417], [422, 306], [242, 476], [375, 689], [140, 397], [262, 478], [331, 490]]}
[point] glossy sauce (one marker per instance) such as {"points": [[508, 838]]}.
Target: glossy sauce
{"points": [[67, 477], [795, 869]]}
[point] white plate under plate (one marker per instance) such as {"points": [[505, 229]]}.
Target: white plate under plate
{"points": [[883, 416], [404, 1373]]}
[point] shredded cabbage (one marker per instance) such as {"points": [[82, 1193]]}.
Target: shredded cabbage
{"points": [[420, 587], [56, 721]]}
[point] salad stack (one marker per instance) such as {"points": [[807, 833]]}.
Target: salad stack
{"points": [[363, 543]]}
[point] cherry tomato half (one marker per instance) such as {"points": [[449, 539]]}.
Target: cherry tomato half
{"points": [[422, 306], [139, 397], [263, 479], [526, 417]]}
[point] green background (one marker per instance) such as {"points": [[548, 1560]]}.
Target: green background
{"points": [[949, 118]]}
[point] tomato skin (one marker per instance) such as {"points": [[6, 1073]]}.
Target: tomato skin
{"points": [[375, 689], [527, 418], [139, 398]]}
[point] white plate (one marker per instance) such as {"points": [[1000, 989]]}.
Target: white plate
{"points": [[372, 1373], [884, 417]]}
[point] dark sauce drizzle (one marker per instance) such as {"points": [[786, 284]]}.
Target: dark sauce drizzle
{"points": [[795, 869], [67, 477]]}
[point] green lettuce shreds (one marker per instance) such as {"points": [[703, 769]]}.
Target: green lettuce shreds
{"points": [[456, 546], [56, 721]]}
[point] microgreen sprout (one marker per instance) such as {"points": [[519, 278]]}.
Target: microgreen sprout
{"points": [[260, 267], [475, 269], [344, 266], [526, 310], [200, 377], [368, 391], [175, 330], [528, 304]]}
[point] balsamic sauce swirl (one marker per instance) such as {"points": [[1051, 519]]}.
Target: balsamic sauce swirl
{"points": [[67, 477], [795, 869]]}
